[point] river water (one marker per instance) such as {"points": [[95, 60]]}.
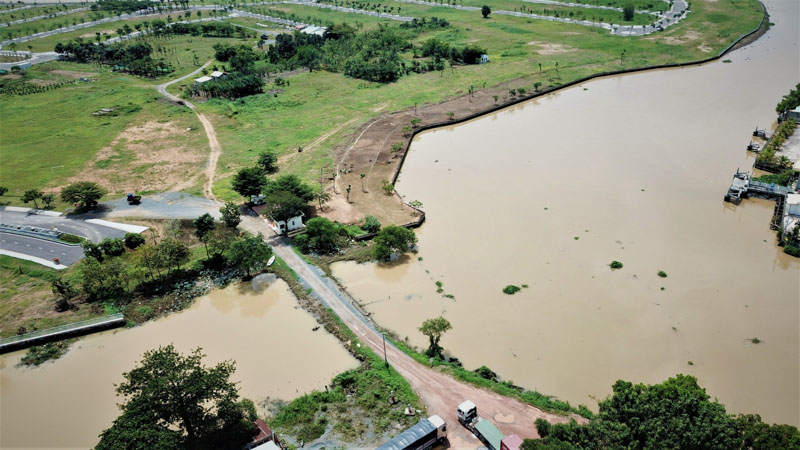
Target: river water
{"points": [[67, 403], [630, 168]]}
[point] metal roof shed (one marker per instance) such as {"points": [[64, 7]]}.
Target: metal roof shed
{"points": [[490, 432]]}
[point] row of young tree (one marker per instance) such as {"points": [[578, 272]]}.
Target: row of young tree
{"points": [[133, 58], [83, 194], [789, 101]]}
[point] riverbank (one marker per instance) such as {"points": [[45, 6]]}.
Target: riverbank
{"points": [[380, 147]]}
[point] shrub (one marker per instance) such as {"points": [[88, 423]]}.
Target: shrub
{"points": [[615, 265], [662, 274], [371, 224], [71, 238], [511, 289], [486, 373], [144, 312], [133, 240]]}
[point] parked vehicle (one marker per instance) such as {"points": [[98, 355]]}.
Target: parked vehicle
{"points": [[424, 435], [134, 199], [480, 427]]}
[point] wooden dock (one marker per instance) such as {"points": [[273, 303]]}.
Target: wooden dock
{"points": [[59, 333]]}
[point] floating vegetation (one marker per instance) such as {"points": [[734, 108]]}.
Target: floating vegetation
{"points": [[615, 265], [662, 274], [511, 289]]}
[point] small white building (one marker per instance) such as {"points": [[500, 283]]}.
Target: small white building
{"points": [[201, 80], [319, 31], [484, 58], [791, 212], [216, 75], [287, 227], [794, 114]]}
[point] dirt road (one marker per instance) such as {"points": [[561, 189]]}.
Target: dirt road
{"points": [[213, 143], [440, 392]]}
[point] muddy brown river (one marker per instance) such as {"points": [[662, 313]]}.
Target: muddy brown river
{"points": [[67, 403], [630, 168]]}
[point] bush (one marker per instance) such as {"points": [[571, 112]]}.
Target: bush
{"points": [[511, 289], [486, 373], [792, 250], [662, 274], [371, 224], [615, 265], [133, 240], [42, 353]]}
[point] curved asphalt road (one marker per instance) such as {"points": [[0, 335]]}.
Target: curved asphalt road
{"points": [[73, 226], [41, 248]]}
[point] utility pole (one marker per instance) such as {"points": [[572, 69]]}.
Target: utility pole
{"points": [[385, 360]]}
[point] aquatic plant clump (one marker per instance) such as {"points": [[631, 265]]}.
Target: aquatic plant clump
{"points": [[511, 289], [615, 265]]}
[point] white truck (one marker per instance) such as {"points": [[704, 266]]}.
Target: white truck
{"points": [[480, 427]]}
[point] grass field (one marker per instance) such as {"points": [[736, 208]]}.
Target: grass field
{"points": [[50, 23], [319, 103], [320, 111]]}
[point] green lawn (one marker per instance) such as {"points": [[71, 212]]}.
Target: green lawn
{"points": [[318, 103], [49, 24]]}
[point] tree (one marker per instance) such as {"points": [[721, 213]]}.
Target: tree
{"points": [[65, 291], [92, 250], [363, 175], [349, 187], [112, 246], [627, 12], [230, 215], [172, 253], [85, 194], [292, 184], [219, 240], [434, 329], [322, 198], [674, 414], [371, 224], [322, 236], [485, 10], [3, 190], [203, 225], [308, 56], [102, 281], [249, 253], [48, 200], [267, 161], [393, 239], [133, 240], [249, 181], [31, 195], [175, 401]]}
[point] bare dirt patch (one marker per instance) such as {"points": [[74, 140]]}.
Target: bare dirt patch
{"points": [[549, 48], [151, 156], [38, 82], [92, 35], [704, 48], [11, 76], [73, 74]]}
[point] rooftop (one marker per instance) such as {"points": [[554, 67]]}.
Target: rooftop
{"points": [[202, 79]]}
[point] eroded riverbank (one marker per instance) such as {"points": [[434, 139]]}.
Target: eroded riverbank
{"points": [[271, 339], [629, 168]]}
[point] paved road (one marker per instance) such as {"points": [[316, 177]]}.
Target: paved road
{"points": [[441, 393], [70, 225], [36, 58], [40, 248], [167, 205]]}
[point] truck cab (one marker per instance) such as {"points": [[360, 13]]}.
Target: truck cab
{"points": [[441, 427], [467, 412]]}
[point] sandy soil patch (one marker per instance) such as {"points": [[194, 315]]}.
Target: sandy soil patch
{"points": [[151, 156], [548, 48], [74, 74], [92, 35], [11, 76], [704, 48]]}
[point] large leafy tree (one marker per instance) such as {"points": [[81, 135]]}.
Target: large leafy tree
{"points": [[267, 161], [283, 205], [293, 184], [434, 329], [249, 253], [31, 195], [230, 215], [249, 181], [322, 236], [393, 239], [83, 193], [203, 225], [174, 401], [676, 414]]}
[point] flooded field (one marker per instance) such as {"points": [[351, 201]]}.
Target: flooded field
{"points": [[67, 403], [630, 168]]}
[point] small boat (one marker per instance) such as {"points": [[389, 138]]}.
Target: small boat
{"points": [[271, 260]]}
